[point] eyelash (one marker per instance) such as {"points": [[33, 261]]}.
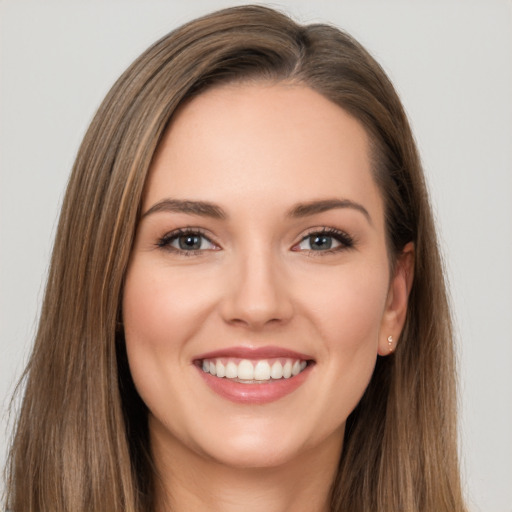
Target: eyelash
{"points": [[344, 239], [166, 241]]}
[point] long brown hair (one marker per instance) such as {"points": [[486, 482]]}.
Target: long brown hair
{"points": [[81, 441]]}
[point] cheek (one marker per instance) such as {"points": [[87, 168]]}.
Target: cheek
{"points": [[347, 306], [159, 310], [159, 315], [347, 311]]}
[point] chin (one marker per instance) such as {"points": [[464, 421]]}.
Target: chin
{"points": [[276, 448], [253, 456]]}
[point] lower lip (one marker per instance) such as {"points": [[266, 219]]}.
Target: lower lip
{"points": [[257, 393]]}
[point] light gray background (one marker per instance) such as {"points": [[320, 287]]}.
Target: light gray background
{"points": [[452, 65]]}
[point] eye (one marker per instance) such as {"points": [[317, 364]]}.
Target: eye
{"points": [[186, 241], [325, 240]]}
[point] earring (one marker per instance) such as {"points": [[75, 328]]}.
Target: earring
{"points": [[390, 343]]}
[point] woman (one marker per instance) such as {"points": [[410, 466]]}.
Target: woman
{"points": [[245, 306]]}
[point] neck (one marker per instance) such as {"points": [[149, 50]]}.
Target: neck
{"points": [[190, 482]]}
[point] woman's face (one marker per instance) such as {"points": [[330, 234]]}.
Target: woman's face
{"points": [[258, 293]]}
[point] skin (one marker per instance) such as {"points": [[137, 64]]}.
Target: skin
{"points": [[256, 151]]}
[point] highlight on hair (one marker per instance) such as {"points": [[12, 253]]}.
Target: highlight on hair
{"points": [[81, 441]]}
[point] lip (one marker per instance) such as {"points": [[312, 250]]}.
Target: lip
{"points": [[267, 352], [256, 393]]}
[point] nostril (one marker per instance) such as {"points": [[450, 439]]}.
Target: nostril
{"points": [[253, 321]]}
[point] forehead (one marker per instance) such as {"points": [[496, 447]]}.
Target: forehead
{"points": [[263, 142]]}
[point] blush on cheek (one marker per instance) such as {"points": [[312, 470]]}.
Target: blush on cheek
{"points": [[152, 313], [351, 310]]}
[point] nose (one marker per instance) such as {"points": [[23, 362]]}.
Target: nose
{"points": [[258, 294]]}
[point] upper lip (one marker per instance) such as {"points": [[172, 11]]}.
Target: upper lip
{"points": [[245, 352]]}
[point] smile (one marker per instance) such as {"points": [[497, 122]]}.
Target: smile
{"points": [[248, 375], [253, 371]]}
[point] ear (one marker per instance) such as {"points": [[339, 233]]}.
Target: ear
{"points": [[396, 303]]}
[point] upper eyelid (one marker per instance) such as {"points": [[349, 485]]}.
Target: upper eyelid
{"points": [[307, 232], [165, 240], [327, 231], [185, 230]]}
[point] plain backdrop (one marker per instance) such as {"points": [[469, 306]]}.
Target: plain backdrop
{"points": [[452, 65]]}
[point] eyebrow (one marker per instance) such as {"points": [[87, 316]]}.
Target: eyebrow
{"points": [[314, 207], [207, 209], [201, 208]]}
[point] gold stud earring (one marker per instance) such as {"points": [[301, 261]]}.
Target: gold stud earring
{"points": [[390, 343]]}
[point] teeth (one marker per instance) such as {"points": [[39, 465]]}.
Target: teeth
{"points": [[287, 370], [231, 370], [245, 370], [220, 369], [296, 368], [261, 370], [277, 370]]}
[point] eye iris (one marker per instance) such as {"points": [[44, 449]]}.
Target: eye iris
{"points": [[189, 242], [319, 242]]}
